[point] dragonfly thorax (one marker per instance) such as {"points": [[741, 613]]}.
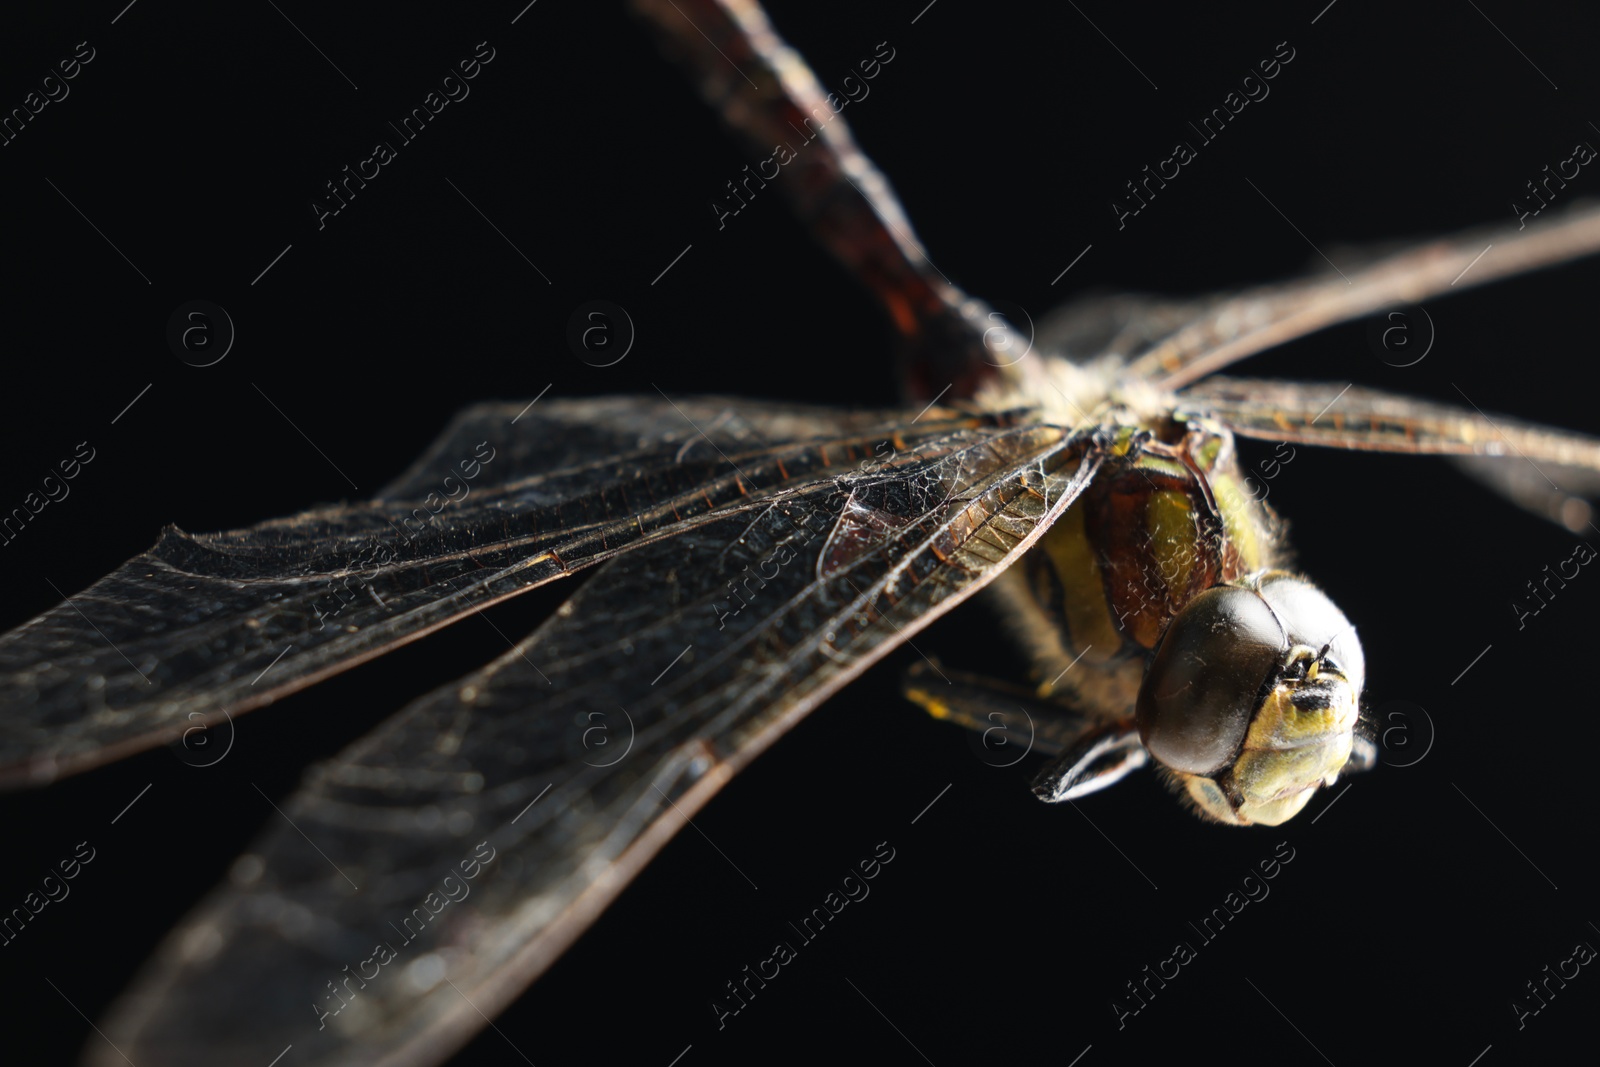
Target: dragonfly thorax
{"points": [[1153, 604], [1166, 519]]}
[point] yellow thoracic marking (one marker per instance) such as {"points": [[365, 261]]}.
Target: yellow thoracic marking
{"points": [[1240, 520], [1169, 520], [1172, 468], [1089, 623]]}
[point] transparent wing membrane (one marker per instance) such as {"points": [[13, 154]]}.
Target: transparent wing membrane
{"points": [[1232, 327], [689, 656], [205, 625], [1550, 472]]}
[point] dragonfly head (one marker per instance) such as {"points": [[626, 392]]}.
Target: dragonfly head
{"points": [[1252, 698]]}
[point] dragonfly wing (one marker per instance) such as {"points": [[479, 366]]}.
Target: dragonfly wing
{"points": [[1335, 416], [1551, 491], [1100, 322], [464, 844], [208, 625], [557, 447], [1233, 327], [1544, 469]]}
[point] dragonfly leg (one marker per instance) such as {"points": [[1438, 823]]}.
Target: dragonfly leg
{"points": [[1086, 753], [1363, 756], [1000, 712]]}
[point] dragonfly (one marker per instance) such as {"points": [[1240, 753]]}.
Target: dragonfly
{"points": [[749, 561]]}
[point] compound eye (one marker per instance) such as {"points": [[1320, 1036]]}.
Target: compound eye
{"points": [[1200, 691]]}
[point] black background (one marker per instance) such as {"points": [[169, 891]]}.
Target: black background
{"points": [[1003, 929]]}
